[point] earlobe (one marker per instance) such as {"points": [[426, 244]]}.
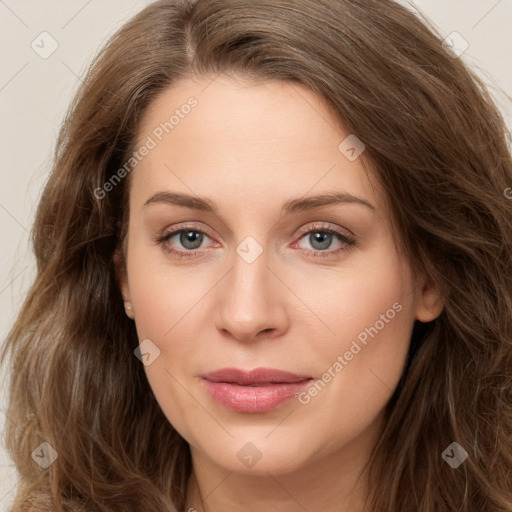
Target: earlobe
{"points": [[430, 302], [129, 310], [122, 281]]}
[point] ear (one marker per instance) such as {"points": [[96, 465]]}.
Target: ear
{"points": [[430, 301], [121, 276]]}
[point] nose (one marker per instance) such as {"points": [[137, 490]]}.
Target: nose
{"points": [[251, 303]]}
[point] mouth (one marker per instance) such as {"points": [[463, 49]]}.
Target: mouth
{"points": [[255, 391]]}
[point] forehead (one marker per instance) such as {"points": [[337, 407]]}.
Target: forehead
{"points": [[270, 138]]}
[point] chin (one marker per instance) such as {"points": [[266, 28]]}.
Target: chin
{"points": [[258, 455]]}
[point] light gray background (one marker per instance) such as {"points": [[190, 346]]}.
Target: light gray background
{"points": [[35, 92]]}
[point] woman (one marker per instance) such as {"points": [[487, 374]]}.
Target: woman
{"points": [[273, 272]]}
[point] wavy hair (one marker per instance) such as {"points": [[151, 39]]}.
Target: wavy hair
{"points": [[435, 141]]}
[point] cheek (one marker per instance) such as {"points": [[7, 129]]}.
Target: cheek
{"points": [[376, 306], [162, 295], [370, 298], [370, 359], [167, 304], [372, 315]]}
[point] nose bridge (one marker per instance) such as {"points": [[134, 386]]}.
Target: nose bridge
{"points": [[249, 279], [248, 302]]}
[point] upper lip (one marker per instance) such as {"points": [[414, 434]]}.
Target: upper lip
{"points": [[256, 376]]}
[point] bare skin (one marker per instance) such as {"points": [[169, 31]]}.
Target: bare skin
{"points": [[249, 148]]}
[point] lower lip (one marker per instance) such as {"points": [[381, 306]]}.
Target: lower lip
{"points": [[253, 398]]}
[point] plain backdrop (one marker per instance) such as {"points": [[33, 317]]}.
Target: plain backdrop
{"points": [[35, 90]]}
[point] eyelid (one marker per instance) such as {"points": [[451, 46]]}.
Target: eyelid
{"points": [[304, 229], [326, 226], [184, 226]]}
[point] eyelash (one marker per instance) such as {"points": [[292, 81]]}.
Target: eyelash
{"points": [[192, 253]]}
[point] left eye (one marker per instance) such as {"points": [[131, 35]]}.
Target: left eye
{"points": [[321, 240]]}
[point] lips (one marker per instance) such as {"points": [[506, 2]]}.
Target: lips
{"points": [[256, 377], [258, 390]]}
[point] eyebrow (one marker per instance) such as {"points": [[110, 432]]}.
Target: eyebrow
{"points": [[291, 206]]}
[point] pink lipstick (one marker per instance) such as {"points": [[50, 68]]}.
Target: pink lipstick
{"points": [[258, 390]]}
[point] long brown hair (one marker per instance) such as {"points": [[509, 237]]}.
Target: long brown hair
{"points": [[436, 143]]}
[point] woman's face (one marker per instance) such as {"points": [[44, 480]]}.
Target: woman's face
{"points": [[268, 278]]}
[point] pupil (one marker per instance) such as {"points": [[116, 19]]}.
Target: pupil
{"points": [[190, 237], [323, 239]]}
